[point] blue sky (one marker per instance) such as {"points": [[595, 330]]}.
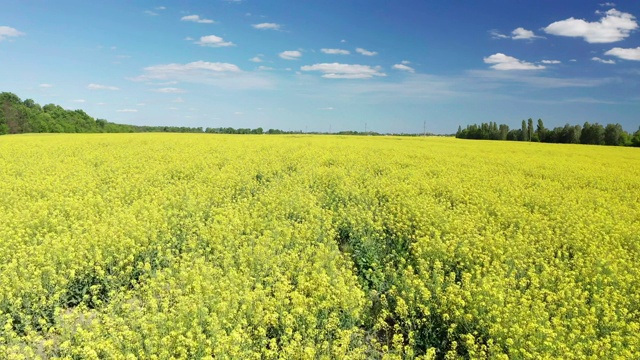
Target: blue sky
{"points": [[327, 65]]}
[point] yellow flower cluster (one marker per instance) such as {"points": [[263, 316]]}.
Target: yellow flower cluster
{"points": [[185, 246]]}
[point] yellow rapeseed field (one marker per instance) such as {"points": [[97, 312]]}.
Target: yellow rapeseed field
{"points": [[185, 246]]}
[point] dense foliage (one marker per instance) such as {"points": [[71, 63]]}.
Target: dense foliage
{"points": [[159, 246], [18, 117], [592, 134]]}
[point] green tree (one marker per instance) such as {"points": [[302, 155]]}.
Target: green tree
{"points": [[592, 134], [504, 131], [614, 135], [525, 131], [635, 140], [541, 131]]}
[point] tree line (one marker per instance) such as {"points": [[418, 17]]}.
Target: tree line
{"points": [[593, 134], [18, 117]]}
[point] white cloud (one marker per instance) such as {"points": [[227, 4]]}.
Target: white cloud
{"points": [[523, 34], [213, 41], [613, 26], [335, 51], [45, 85], [327, 108], [141, 104], [505, 62], [406, 62], [366, 52], [497, 35], [573, 60], [172, 108], [490, 78], [189, 38], [267, 26], [256, 59], [224, 75], [170, 90], [101, 87], [291, 55], [264, 68], [626, 54], [344, 71], [79, 100], [169, 71], [151, 13], [608, 4], [7, 32], [343, 41], [517, 34], [238, 113], [404, 67], [127, 110], [196, 19], [551, 61], [603, 61], [161, 8], [178, 100]]}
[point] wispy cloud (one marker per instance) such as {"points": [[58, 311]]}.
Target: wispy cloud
{"points": [[256, 59], [9, 32], [224, 75], [196, 19], [335, 51], [613, 26], [170, 90], [366, 52], [494, 79], [101, 87], [46, 86], [290, 55], [517, 34], [497, 35], [523, 34], [213, 41], [173, 71], [344, 71], [504, 62], [603, 61], [551, 62], [267, 26], [404, 67]]}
